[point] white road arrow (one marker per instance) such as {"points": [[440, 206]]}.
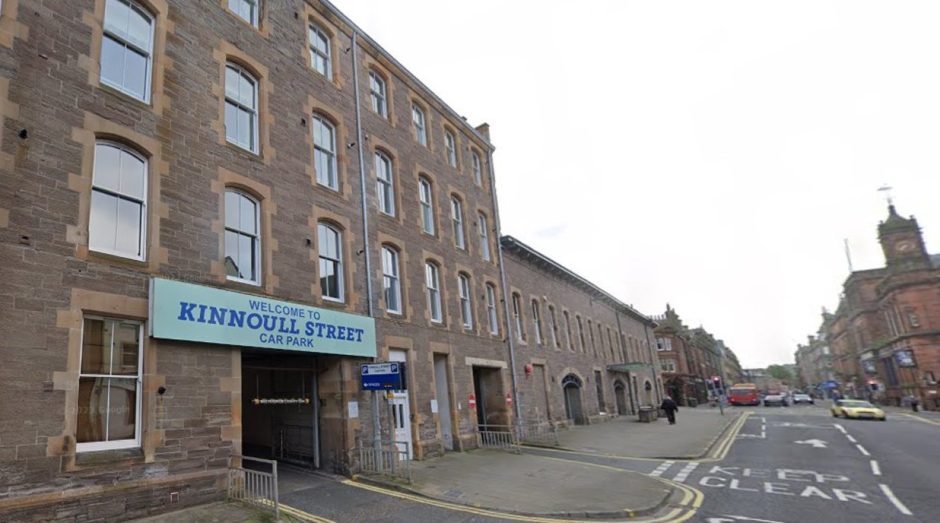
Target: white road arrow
{"points": [[816, 443]]}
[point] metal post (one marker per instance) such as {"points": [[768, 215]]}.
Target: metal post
{"points": [[277, 507]]}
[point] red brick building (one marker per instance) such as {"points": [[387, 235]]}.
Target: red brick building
{"points": [[688, 358]]}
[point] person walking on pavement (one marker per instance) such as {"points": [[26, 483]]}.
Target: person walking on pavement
{"points": [[670, 407], [914, 402]]}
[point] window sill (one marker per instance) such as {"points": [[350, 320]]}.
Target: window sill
{"points": [[112, 257], [94, 458], [124, 96], [247, 153]]}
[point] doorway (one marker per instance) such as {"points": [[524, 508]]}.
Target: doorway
{"points": [[571, 385], [442, 384], [488, 388], [620, 395], [400, 409]]}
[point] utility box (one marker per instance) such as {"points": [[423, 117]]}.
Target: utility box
{"points": [[647, 414]]}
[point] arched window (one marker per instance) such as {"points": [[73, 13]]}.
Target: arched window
{"points": [[324, 152], [242, 237], [320, 51], [426, 197], [421, 130], [241, 107], [450, 146], [377, 94], [477, 168], [466, 307], [580, 332], [517, 316], [391, 281], [553, 325], [385, 184], [537, 321], [127, 48], [330, 246], [118, 219], [491, 308], [456, 216], [484, 230], [432, 281], [568, 330]]}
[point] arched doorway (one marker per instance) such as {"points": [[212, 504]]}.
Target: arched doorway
{"points": [[620, 396], [571, 385]]}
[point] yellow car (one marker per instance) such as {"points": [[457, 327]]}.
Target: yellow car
{"points": [[857, 409]]}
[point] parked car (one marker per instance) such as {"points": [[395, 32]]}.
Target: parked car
{"points": [[775, 399], [857, 409], [803, 398]]}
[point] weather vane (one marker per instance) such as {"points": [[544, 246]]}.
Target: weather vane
{"points": [[887, 190]]}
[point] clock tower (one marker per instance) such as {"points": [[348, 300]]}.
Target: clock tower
{"points": [[902, 242]]}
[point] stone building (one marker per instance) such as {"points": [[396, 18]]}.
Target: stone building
{"points": [[689, 359], [212, 214]]}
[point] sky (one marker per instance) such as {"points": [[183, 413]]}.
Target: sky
{"points": [[710, 155]]}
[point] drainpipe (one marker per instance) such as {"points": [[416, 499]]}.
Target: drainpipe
{"points": [[623, 355], [376, 422], [502, 278], [654, 360]]}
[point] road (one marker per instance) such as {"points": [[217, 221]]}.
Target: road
{"points": [[786, 465]]}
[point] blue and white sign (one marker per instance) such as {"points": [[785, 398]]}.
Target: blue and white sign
{"points": [[188, 312], [383, 376]]}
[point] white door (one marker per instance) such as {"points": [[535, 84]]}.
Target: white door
{"points": [[401, 410], [443, 400]]}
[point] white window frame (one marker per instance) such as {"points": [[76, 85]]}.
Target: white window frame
{"points": [[517, 316], [255, 7], [256, 237], [537, 322], [329, 180], [122, 149], [148, 52], [432, 281], [426, 199], [420, 124], [378, 94], [384, 183], [316, 35], [491, 308], [484, 231], [239, 106], [456, 216], [391, 279], [553, 325], [337, 262], [450, 146], [92, 446], [466, 306], [477, 164]]}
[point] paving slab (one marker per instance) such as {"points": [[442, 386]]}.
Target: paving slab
{"points": [[695, 432], [534, 485]]}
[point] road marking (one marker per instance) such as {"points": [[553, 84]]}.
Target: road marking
{"points": [[875, 469], [918, 418], [306, 516], [739, 518], [862, 449], [684, 473], [840, 427], [816, 443], [853, 440], [893, 499], [662, 468]]}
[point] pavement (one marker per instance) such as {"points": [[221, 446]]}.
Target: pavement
{"points": [[219, 512]]}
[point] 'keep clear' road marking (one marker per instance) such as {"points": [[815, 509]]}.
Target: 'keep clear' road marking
{"points": [[893, 499], [662, 468], [684, 473], [786, 482]]}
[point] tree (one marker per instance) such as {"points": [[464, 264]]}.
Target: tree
{"points": [[780, 372]]}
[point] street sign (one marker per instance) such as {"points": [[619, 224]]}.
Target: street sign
{"points": [[472, 401], [383, 376]]}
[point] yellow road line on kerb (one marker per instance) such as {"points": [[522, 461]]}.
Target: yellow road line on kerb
{"points": [[303, 515], [721, 451], [918, 418]]}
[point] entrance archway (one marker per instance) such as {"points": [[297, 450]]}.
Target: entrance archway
{"points": [[571, 385], [620, 396]]}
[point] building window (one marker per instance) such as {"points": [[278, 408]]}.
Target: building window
{"points": [[668, 365], [580, 332], [241, 108], [127, 48], [320, 51], [517, 316], [391, 283], [663, 344], [421, 131], [568, 330], [330, 244], [466, 307], [118, 219], [610, 344], [913, 320], [456, 216], [491, 308], [484, 236], [246, 9], [477, 168], [599, 385], [385, 186], [109, 384], [324, 153], [553, 325], [242, 237], [377, 94], [426, 197], [593, 341], [537, 321], [432, 282], [450, 146]]}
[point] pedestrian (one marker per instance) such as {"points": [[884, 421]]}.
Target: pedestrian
{"points": [[914, 403], [670, 407]]}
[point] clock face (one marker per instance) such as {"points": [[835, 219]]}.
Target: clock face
{"points": [[904, 246]]}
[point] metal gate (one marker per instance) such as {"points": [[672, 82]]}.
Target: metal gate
{"points": [[253, 486]]}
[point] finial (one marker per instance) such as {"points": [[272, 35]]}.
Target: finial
{"points": [[886, 189]]}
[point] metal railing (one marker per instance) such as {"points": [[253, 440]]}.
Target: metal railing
{"points": [[538, 433], [389, 460], [255, 487], [295, 443], [497, 437]]}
